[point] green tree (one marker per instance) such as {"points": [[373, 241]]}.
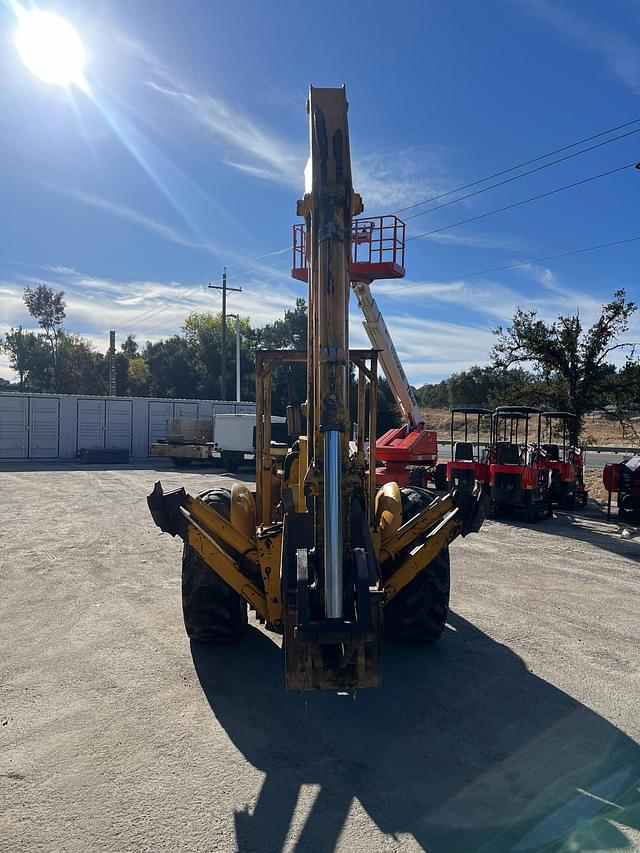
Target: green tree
{"points": [[388, 414], [625, 394], [81, 369], [138, 378], [288, 333], [565, 351], [130, 347], [29, 357], [203, 332], [18, 344], [171, 368], [48, 308], [433, 395]]}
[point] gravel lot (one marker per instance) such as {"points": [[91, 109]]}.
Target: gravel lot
{"points": [[517, 731]]}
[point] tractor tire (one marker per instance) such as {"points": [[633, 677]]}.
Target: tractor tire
{"points": [[212, 611], [418, 613], [440, 477], [181, 461], [417, 477], [231, 462]]}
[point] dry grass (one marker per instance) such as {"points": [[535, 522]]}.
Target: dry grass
{"points": [[597, 430]]}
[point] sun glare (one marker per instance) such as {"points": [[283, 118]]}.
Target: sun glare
{"points": [[51, 48]]}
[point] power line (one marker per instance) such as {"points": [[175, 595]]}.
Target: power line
{"points": [[150, 312], [522, 263], [518, 166], [258, 257], [521, 202], [158, 309], [521, 175], [181, 294], [503, 268]]}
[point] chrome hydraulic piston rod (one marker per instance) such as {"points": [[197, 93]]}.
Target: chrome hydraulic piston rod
{"points": [[333, 524]]}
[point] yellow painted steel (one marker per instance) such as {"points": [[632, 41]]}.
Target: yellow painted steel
{"points": [[270, 551], [215, 556], [421, 556], [388, 510], [411, 530], [303, 464], [215, 524], [243, 510], [292, 482]]}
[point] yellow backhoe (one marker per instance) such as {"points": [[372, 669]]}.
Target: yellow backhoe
{"points": [[317, 551]]}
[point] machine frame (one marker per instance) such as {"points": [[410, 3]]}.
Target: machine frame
{"points": [[517, 480], [564, 462], [467, 467], [624, 482]]}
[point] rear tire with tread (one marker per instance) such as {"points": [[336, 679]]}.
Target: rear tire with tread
{"points": [[181, 461], [417, 477], [212, 611], [418, 613], [440, 477]]}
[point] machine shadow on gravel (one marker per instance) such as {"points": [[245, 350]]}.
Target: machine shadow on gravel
{"points": [[462, 747], [570, 525]]}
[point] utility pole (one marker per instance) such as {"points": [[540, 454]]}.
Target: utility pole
{"points": [[112, 364], [237, 316], [223, 365]]}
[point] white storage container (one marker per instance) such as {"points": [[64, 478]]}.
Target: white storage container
{"points": [[57, 426]]}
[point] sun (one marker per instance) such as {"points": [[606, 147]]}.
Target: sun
{"points": [[51, 48]]}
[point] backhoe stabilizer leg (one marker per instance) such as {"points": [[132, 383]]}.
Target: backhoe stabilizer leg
{"points": [[421, 557], [165, 510], [473, 508], [467, 517]]}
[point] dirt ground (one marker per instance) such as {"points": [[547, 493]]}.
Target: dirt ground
{"points": [[597, 429], [518, 731]]}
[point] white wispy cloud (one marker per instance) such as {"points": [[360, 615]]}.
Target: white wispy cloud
{"points": [[490, 297], [559, 297], [595, 36], [143, 220], [392, 179], [476, 241], [149, 309], [549, 296], [430, 349], [384, 178], [269, 156]]}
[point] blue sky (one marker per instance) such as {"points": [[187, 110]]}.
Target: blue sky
{"points": [[188, 151]]}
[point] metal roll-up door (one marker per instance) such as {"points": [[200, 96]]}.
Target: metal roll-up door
{"points": [[91, 425], [13, 427], [119, 424], [160, 414], [44, 427]]}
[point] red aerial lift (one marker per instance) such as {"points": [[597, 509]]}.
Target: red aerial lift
{"points": [[467, 465], [517, 480], [409, 454], [564, 462]]}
